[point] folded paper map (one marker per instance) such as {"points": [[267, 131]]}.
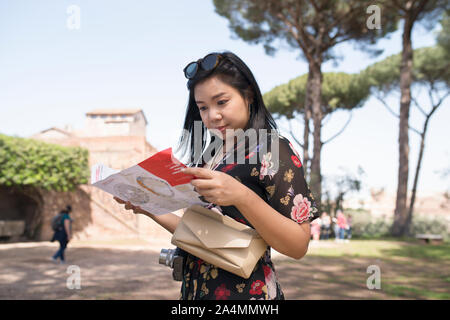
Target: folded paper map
{"points": [[155, 184]]}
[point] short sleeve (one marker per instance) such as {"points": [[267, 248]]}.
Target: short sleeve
{"points": [[282, 177]]}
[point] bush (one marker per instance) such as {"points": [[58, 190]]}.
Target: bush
{"points": [[365, 225], [430, 224], [27, 162]]}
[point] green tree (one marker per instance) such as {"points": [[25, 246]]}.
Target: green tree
{"points": [[314, 27], [444, 35], [410, 12], [340, 91], [430, 72]]}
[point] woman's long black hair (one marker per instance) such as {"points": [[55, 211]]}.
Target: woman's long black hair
{"points": [[234, 72]]}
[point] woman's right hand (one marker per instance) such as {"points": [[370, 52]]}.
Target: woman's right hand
{"points": [[129, 206]]}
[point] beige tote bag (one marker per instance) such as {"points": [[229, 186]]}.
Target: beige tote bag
{"points": [[219, 240]]}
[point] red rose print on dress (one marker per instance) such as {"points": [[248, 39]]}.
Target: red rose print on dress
{"points": [[199, 263], [296, 161], [256, 287], [222, 293], [271, 284], [300, 210]]}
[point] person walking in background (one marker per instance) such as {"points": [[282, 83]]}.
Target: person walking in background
{"points": [[342, 224], [326, 226], [62, 226], [315, 229], [335, 229]]}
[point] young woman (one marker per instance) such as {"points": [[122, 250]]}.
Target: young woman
{"points": [[270, 194]]}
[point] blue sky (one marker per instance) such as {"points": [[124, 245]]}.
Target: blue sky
{"points": [[130, 54]]}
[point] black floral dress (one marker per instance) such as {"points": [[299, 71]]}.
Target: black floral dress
{"points": [[283, 186]]}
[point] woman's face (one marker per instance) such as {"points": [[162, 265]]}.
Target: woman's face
{"points": [[221, 106]]}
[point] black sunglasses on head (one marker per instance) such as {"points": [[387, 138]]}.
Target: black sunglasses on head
{"points": [[208, 63]]}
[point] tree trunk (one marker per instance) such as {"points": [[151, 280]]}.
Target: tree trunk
{"points": [[414, 189], [419, 164], [316, 91], [400, 214], [306, 132]]}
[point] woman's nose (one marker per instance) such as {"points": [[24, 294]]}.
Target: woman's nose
{"points": [[216, 115]]}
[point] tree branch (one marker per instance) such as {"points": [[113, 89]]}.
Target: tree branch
{"points": [[306, 37], [418, 106], [314, 4], [396, 115], [438, 103], [291, 29], [343, 128], [329, 114], [291, 132], [386, 106], [339, 20]]}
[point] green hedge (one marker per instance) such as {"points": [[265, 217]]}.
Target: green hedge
{"points": [[28, 162], [364, 225], [431, 224]]}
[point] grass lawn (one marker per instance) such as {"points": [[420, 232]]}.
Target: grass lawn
{"points": [[409, 269], [384, 249]]}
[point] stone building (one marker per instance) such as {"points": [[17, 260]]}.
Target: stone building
{"points": [[116, 138]]}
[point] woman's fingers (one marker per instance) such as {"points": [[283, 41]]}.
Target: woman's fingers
{"points": [[119, 200], [129, 206], [137, 210]]}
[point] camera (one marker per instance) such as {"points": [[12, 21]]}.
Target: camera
{"points": [[173, 258]]}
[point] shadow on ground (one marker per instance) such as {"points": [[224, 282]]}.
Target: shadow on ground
{"points": [[26, 272]]}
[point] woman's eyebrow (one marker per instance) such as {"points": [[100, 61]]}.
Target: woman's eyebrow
{"points": [[214, 97]]}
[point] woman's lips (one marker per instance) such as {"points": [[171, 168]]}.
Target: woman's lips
{"points": [[223, 128]]}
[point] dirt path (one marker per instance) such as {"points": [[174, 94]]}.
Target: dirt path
{"points": [[133, 272]]}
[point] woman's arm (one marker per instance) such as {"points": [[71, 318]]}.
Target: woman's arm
{"points": [[168, 221], [281, 233], [67, 227]]}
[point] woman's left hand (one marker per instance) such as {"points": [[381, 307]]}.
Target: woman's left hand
{"points": [[217, 187]]}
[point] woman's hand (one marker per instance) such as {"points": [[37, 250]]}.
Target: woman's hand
{"points": [[129, 206], [217, 187], [168, 221]]}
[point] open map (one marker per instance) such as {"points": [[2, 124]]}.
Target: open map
{"points": [[155, 184]]}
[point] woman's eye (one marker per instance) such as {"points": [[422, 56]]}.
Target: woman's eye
{"points": [[222, 102], [202, 108]]}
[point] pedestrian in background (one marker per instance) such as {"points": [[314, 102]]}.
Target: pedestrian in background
{"points": [[315, 229], [342, 224], [326, 226], [62, 233]]}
